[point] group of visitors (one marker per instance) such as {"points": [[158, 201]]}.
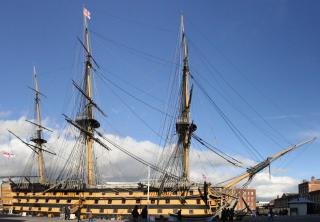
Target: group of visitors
{"points": [[143, 216], [227, 214]]}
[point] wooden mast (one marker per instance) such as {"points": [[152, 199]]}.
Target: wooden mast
{"points": [[184, 126], [90, 125], [38, 140]]}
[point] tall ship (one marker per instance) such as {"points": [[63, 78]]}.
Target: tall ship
{"points": [[169, 189]]}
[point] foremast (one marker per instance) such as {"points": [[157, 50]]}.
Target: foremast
{"points": [[184, 126], [38, 138]]}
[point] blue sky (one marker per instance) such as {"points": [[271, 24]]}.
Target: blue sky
{"points": [[268, 51]]}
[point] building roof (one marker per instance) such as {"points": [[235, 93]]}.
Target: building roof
{"points": [[300, 201], [289, 195], [314, 192]]}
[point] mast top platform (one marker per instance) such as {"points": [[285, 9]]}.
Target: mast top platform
{"points": [[86, 122]]}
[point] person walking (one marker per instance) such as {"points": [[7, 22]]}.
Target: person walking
{"points": [[270, 214], [65, 213], [231, 214], [135, 214], [78, 214], [144, 214], [89, 214], [179, 215], [223, 215]]}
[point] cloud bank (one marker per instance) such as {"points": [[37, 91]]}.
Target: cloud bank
{"points": [[116, 166]]}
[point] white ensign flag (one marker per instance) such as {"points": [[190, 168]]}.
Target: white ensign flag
{"points": [[86, 13]]}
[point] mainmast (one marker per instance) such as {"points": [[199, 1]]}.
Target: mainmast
{"points": [[87, 120], [183, 125], [38, 140]]}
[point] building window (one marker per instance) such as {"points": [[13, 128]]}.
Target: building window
{"points": [[191, 192], [18, 194], [123, 201], [101, 210], [50, 208], [30, 208], [130, 192], [117, 193], [115, 210], [54, 193], [90, 193], [109, 201], [37, 200], [33, 193], [167, 201], [145, 192], [65, 193], [27, 200], [198, 201], [96, 201], [103, 193], [190, 211], [25, 193], [159, 211], [77, 193], [47, 200], [57, 200], [19, 200], [129, 210], [138, 201], [39, 208], [153, 201], [69, 201]]}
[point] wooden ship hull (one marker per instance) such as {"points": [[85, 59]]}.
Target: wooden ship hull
{"points": [[113, 201]]}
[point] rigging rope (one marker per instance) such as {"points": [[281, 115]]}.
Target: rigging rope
{"points": [[105, 79], [250, 120], [139, 159], [219, 152], [229, 123], [240, 96]]}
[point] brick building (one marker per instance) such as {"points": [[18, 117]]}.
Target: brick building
{"points": [[309, 195], [309, 186], [249, 195], [314, 196], [282, 203]]}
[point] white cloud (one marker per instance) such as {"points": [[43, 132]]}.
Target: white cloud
{"points": [[20, 126], [116, 166], [270, 188]]}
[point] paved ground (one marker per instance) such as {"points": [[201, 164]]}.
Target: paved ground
{"points": [[286, 219], [258, 219]]}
